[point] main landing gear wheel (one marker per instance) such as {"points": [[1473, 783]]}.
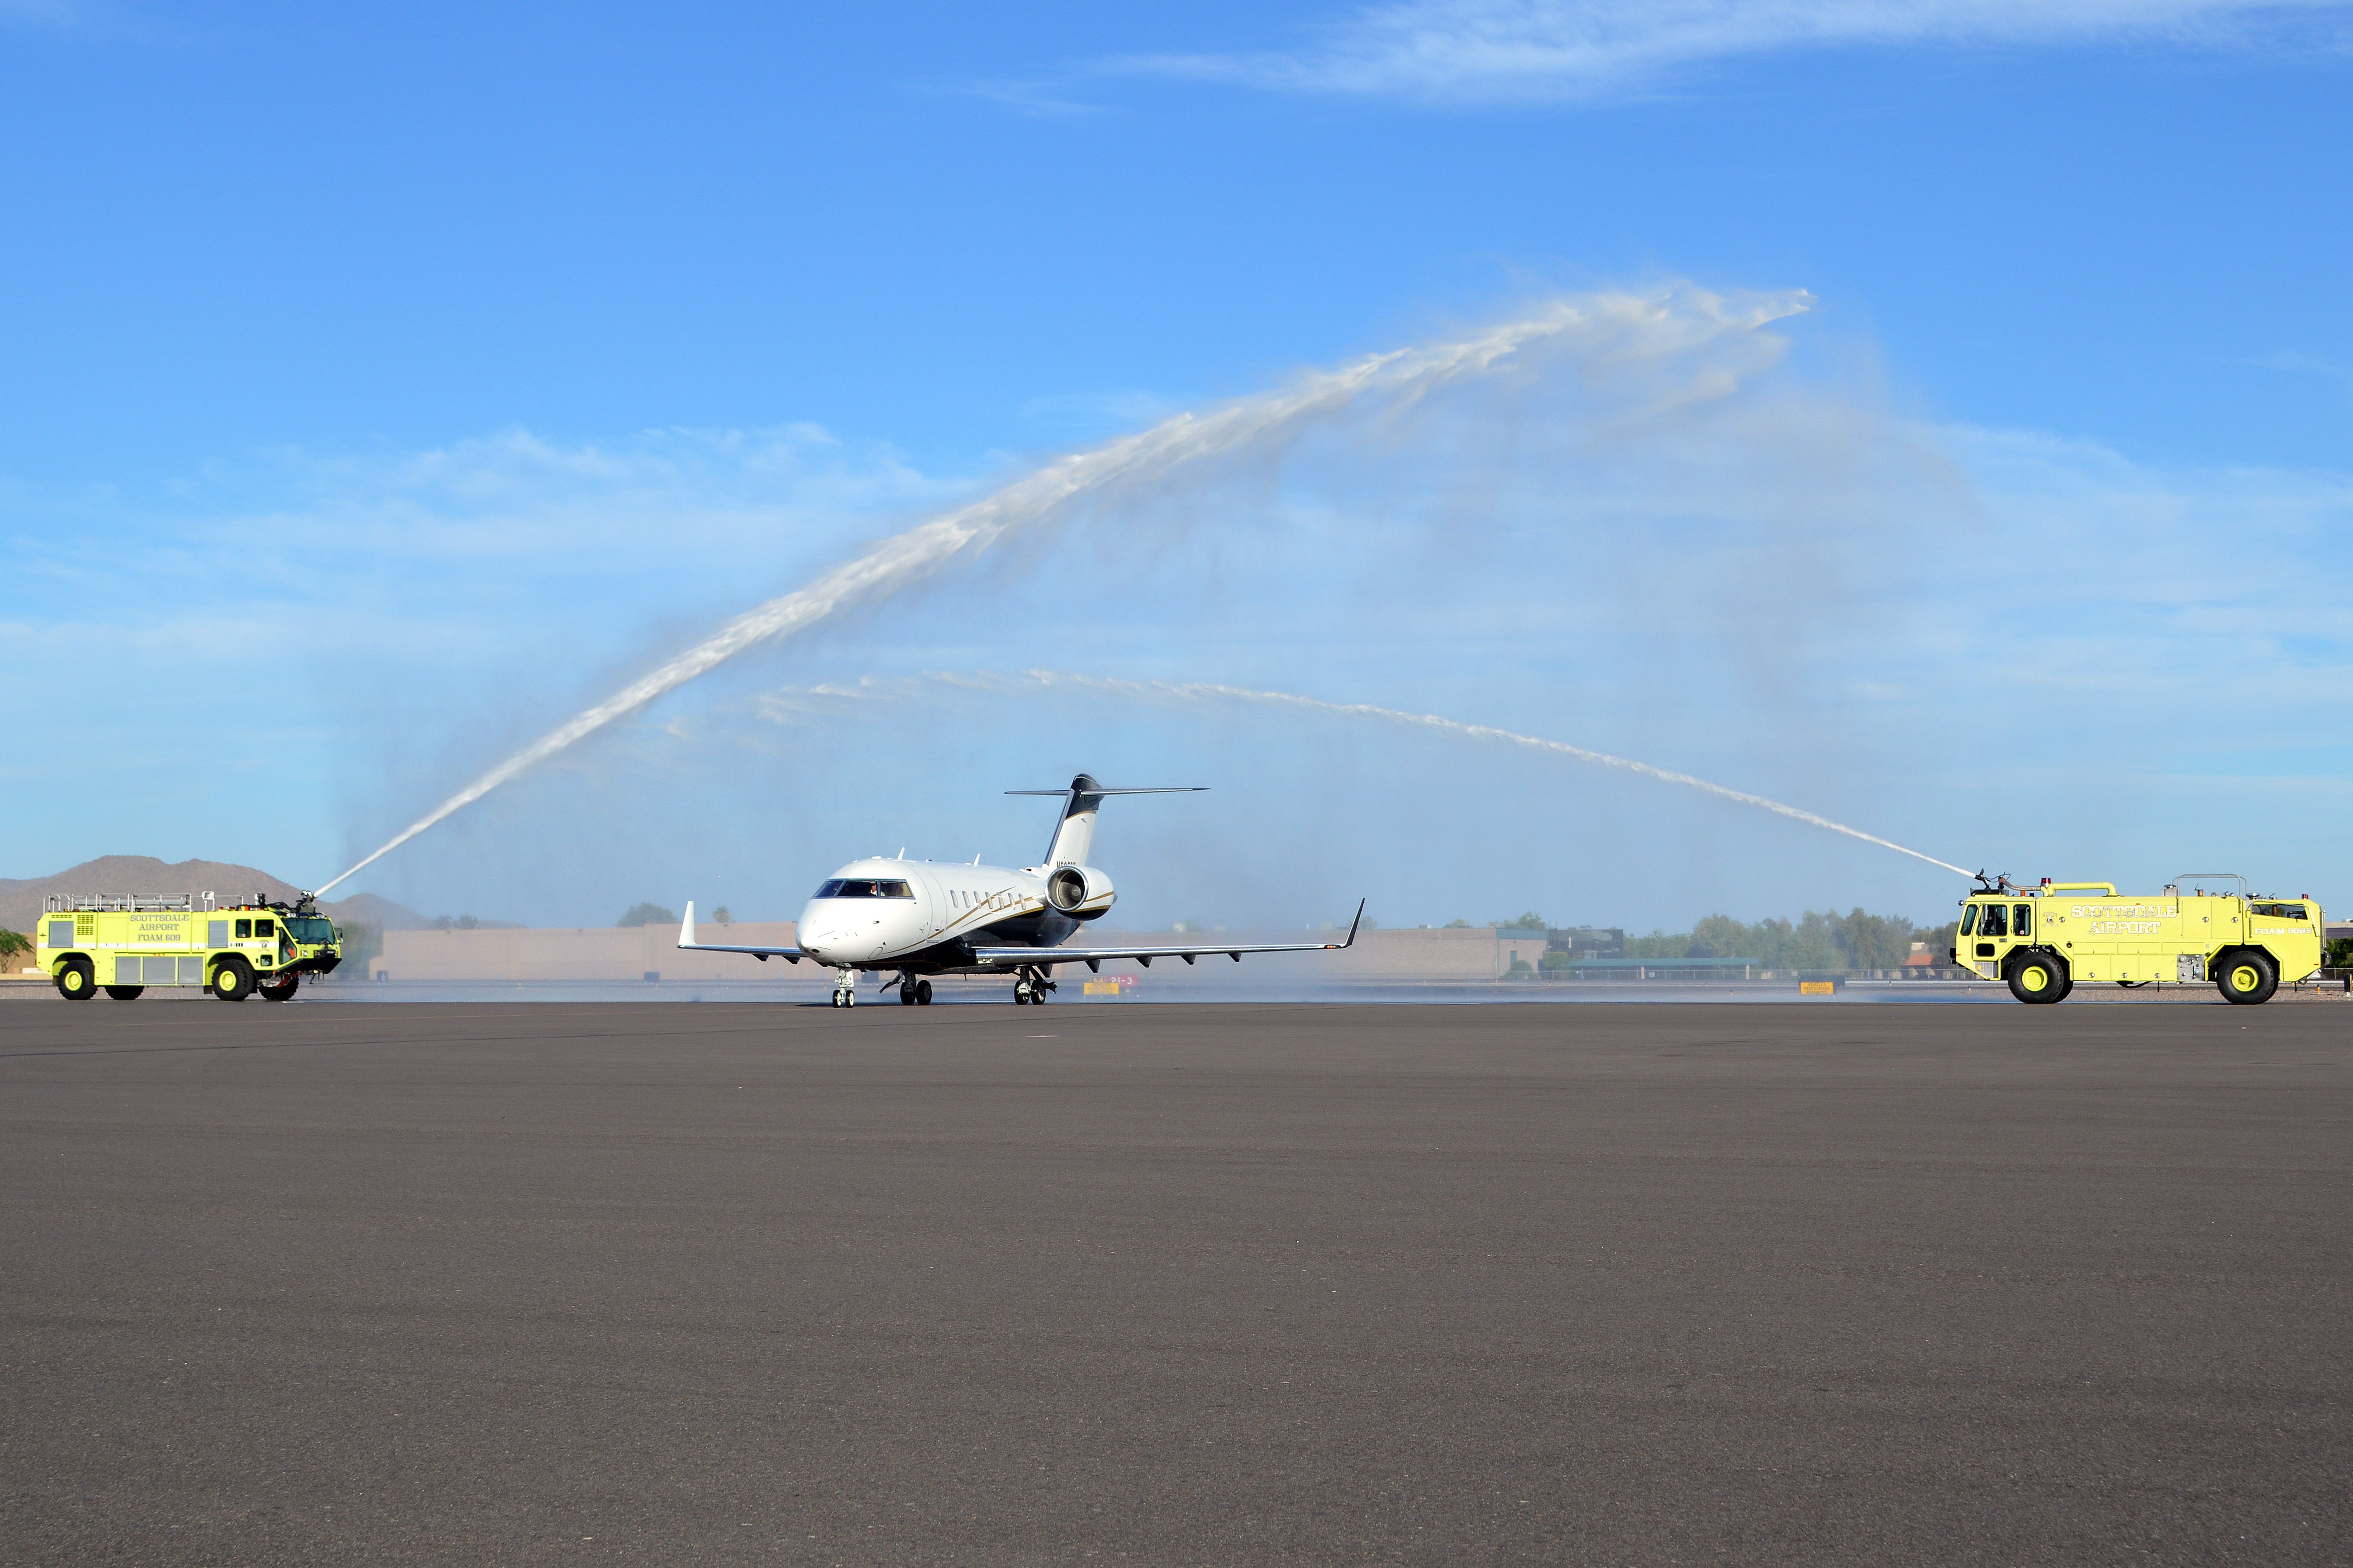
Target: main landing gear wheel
{"points": [[125, 993], [906, 992], [2248, 978], [922, 993], [77, 981], [2038, 977]]}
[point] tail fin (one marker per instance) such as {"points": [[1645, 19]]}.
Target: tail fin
{"points": [[1074, 834]]}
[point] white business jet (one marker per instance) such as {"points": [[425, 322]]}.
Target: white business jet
{"points": [[918, 918]]}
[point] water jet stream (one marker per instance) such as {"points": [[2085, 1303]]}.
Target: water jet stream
{"points": [[1667, 322], [1210, 691]]}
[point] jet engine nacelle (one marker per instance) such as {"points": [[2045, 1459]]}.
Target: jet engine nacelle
{"points": [[1081, 893]]}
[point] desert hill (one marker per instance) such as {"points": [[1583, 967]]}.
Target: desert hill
{"points": [[121, 875]]}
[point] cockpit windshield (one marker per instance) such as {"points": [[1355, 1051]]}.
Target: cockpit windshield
{"points": [[863, 888]]}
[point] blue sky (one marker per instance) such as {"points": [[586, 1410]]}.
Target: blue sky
{"points": [[471, 362]]}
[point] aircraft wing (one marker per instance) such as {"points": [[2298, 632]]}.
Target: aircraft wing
{"points": [[686, 940], [1095, 957]]}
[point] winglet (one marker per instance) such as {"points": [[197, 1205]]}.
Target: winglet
{"points": [[686, 926], [1352, 924]]}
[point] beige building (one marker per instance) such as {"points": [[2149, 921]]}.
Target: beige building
{"points": [[643, 953], [598, 952]]}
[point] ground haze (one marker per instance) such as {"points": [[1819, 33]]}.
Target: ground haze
{"points": [[1208, 1283]]}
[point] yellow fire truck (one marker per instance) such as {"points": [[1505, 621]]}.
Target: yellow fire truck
{"points": [[123, 945], [2044, 939]]}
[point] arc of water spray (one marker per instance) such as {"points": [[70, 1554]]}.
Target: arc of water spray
{"points": [[1489, 732], [1677, 318], [1207, 692]]}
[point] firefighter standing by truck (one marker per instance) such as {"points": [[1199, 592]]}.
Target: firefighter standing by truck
{"points": [[123, 945], [2042, 940]]}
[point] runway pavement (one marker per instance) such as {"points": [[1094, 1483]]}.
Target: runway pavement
{"points": [[1191, 1284]]}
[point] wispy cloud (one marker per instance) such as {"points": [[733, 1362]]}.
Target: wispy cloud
{"points": [[1487, 50], [1039, 100], [2295, 361]]}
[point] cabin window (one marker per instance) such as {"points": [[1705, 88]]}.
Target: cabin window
{"points": [[245, 927], [1995, 921], [2022, 919], [1969, 920], [264, 927], [2281, 911]]}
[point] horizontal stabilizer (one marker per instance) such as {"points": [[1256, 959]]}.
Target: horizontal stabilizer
{"points": [[1074, 834], [1096, 789]]}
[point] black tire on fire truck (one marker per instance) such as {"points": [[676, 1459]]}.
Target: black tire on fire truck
{"points": [[125, 993], [2038, 977], [277, 990], [2247, 975], [233, 981], [77, 979]]}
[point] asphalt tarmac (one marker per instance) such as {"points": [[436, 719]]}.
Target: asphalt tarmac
{"points": [[1189, 1284]]}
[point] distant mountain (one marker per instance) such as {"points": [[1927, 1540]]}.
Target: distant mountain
{"points": [[118, 875]]}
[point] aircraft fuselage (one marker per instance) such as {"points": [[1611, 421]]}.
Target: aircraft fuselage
{"points": [[925, 917]]}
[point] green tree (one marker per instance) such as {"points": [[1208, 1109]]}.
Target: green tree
{"points": [[1660, 944], [1818, 939], [13, 942], [721, 914], [1721, 936], [646, 915], [1873, 942], [1810, 944], [1528, 922]]}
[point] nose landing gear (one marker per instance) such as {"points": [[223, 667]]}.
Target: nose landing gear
{"points": [[845, 987]]}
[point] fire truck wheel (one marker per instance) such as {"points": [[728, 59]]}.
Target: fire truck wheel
{"points": [[77, 981], [233, 981], [2248, 977], [276, 990], [125, 993], [2038, 977]]}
